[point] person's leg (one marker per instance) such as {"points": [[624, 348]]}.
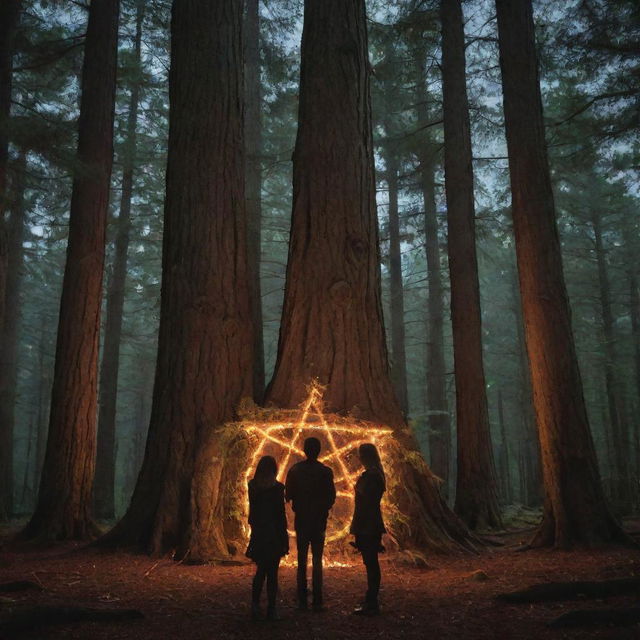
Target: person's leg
{"points": [[256, 589], [272, 588], [302, 544], [373, 577], [317, 549], [369, 547]]}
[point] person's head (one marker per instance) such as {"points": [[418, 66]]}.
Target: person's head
{"points": [[312, 448], [369, 457], [266, 472]]}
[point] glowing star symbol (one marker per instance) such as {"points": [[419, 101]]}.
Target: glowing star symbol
{"points": [[340, 439]]}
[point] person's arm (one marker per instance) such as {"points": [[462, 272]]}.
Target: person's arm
{"points": [[282, 523], [331, 489], [289, 486]]}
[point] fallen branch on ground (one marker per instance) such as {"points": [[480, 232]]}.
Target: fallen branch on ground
{"points": [[569, 590], [19, 585]]}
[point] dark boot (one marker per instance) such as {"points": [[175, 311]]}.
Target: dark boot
{"points": [[256, 612], [367, 609], [272, 613]]}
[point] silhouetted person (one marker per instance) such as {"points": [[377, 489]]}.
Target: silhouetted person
{"points": [[269, 539], [309, 485], [367, 524]]}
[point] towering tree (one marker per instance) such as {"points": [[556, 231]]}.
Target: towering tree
{"points": [[436, 391], [64, 500], [9, 332], [332, 321], [204, 362], [617, 422], [428, 154], [106, 449], [575, 509], [9, 14], [398, 351], [476, 489], [253, 145]]}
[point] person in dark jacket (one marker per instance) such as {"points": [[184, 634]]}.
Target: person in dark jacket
{"points": [[309, 486], [269, 540], [367, 524]]}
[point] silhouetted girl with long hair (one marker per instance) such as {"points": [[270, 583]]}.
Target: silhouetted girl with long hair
{"points": [[269, 539], [367, 524]]}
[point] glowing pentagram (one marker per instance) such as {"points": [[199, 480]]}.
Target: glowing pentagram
{"points": [[283, 435]]}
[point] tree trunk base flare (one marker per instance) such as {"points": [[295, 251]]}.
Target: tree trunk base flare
{"points": [[597, 618], [214, 530], [570, 530], [45, 615], [415, 514], [553, 591], [55, 526]]}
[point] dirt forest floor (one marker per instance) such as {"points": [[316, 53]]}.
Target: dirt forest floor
{"points": [[453, 598]]}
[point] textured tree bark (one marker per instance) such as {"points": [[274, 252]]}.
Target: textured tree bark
{"points": [[504, 475], [9, 336], [9, 16], [332, 326], [63, 510], [398, 353], [575, 510], [205, 361], [253, 146], [44, 401], [106, 450], [476, 488], [437, 404], [617, 423], [531, 494]]}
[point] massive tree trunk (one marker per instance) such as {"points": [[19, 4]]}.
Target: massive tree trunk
{"points": [[617, 423], [9, 335], [253, 146], [398, 354], [575, 510], [476, 489], [9, 13], [204, 364], [64, 500], [332, 326], [106, 452]]}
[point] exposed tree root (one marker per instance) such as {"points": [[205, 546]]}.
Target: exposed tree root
{"points": [[19, 585], [550, 591], [597, 618]]}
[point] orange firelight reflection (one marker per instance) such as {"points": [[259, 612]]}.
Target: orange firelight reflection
{"points": [[340, 439]]}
